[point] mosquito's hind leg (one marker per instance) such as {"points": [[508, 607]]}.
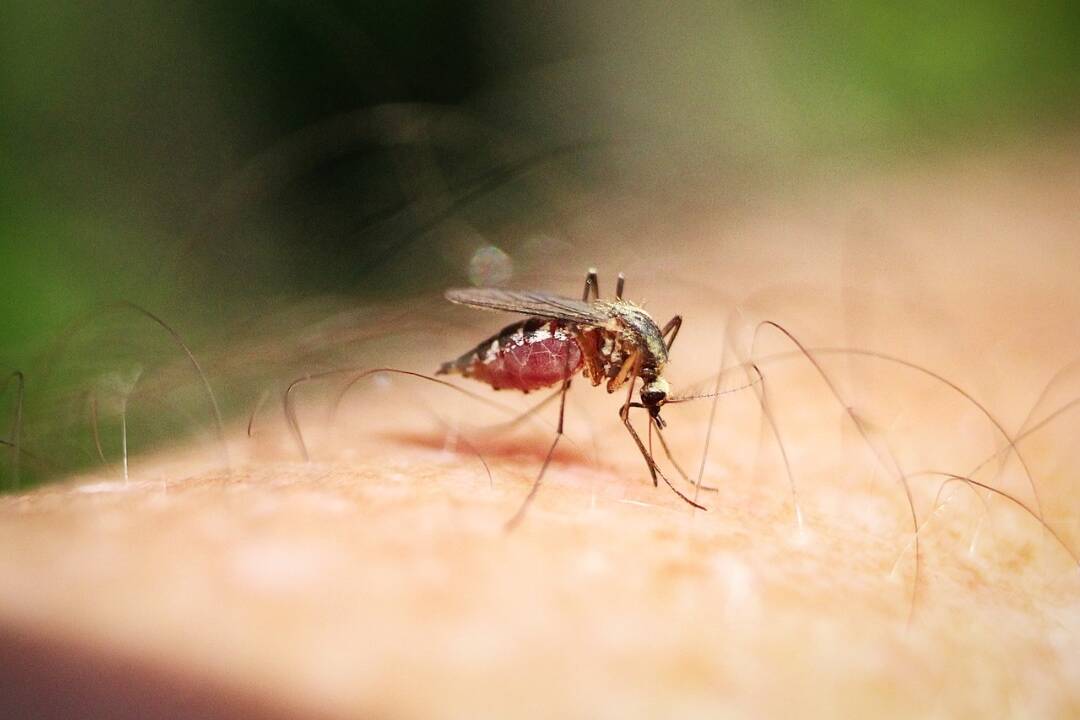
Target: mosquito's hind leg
{"points": [[672, 327], [592, 286], [515, 422], [515, 520]]}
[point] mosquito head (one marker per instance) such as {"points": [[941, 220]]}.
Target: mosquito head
{"points": [[653, 395]]}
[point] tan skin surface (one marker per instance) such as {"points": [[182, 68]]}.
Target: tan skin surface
{"points": [[377, 581]]}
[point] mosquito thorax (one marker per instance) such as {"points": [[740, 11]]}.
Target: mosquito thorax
{"points": [[643, 332]]}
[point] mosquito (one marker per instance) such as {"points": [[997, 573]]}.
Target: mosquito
{"points": [[610, 341]]}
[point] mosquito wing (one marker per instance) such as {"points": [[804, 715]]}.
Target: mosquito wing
{"points": [[532, 303]]}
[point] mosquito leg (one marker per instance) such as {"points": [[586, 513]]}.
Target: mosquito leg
{"points": [[513, 423], [675, 464], [592, 286], [672, 327], [654, 471], [514, 521], [619, 284], [624, 413]]}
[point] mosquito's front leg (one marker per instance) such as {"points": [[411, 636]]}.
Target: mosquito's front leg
{"points": [[673, 461], [672, 327], [654, 471], [624, 414]]}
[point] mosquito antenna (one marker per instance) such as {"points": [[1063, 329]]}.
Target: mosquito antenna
{"points": [[718, 393]]}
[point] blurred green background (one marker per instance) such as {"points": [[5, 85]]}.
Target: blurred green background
{"points": [[215, 161]]}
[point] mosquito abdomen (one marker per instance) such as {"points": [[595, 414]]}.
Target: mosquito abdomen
{"points": [[526, 356]]}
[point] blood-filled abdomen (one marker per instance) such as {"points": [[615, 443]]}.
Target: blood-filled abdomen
{"points": [[525, 356]]}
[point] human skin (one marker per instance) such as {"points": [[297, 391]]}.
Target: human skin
{"points": [[377, 579]]}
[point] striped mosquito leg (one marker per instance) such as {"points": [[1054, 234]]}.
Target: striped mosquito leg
{"points": [[514, 521]]}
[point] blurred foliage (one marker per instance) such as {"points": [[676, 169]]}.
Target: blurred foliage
{"points": [[206, 159]]}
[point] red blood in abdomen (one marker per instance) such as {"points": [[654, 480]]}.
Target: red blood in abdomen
{"points": [[530, 364]]}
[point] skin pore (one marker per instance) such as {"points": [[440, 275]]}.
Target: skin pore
{"points": [[377, 579]]}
